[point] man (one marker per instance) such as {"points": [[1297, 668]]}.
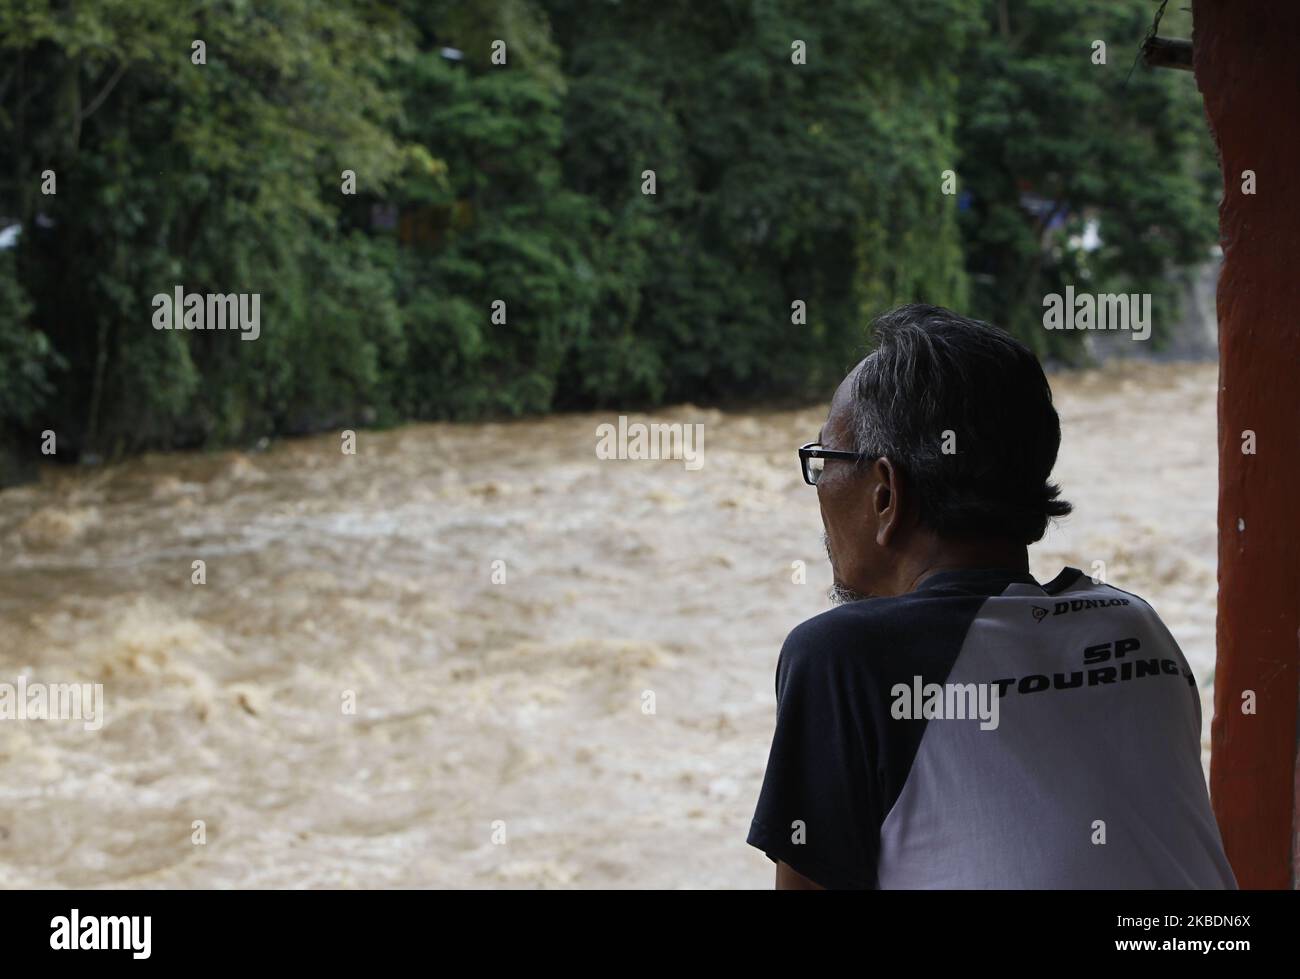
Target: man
{"points": [[952, 723]]}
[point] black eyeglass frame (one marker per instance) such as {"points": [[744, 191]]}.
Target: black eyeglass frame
{"points": [[814, 450]]}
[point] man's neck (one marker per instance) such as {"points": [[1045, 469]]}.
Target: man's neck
{"points": [[950, 555]]}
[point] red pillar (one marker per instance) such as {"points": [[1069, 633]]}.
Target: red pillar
{"points": [[1247, 63]]}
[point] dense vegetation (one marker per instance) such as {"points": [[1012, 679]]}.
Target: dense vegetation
{"points": [[476, 182]]}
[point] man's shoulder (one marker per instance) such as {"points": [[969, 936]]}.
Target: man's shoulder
{"points": [[1089, 593], [853, 619], [877, 633]]}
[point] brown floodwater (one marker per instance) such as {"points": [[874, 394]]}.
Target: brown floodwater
{"points": [[500, 736]]}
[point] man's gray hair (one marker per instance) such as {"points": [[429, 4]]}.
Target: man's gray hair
{"points": [[965, 412]]}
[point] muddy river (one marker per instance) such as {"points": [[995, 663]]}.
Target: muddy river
{"points": [[431, 663]]}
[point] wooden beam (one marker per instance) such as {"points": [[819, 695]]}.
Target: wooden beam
{"points": [[1166, 52], [1245, 70]]}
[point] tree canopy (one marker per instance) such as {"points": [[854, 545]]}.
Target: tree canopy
{"points": [[500, 254]]}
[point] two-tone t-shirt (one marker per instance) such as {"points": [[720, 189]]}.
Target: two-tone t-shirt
{"points": [[986, 731]]}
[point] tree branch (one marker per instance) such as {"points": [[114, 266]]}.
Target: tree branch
{"points": [[98, 100], [1165, 52]]}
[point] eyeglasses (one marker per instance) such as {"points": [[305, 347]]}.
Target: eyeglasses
{"points": [[812, 459]]}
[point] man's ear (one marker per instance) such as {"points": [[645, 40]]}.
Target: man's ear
{"points": [[886, 500]]}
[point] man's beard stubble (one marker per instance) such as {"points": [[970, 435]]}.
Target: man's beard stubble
{"points": [[839, 594]]}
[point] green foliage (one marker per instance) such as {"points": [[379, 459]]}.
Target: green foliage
{"points": [[776, 182], [219, 177], [503, 228], [25, 354], [1038, 116], [480, 182]]}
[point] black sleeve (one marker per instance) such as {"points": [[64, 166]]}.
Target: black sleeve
{"points": [[820, 778]]}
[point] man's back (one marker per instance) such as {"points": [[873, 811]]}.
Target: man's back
{"points": [[983, 731]]}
